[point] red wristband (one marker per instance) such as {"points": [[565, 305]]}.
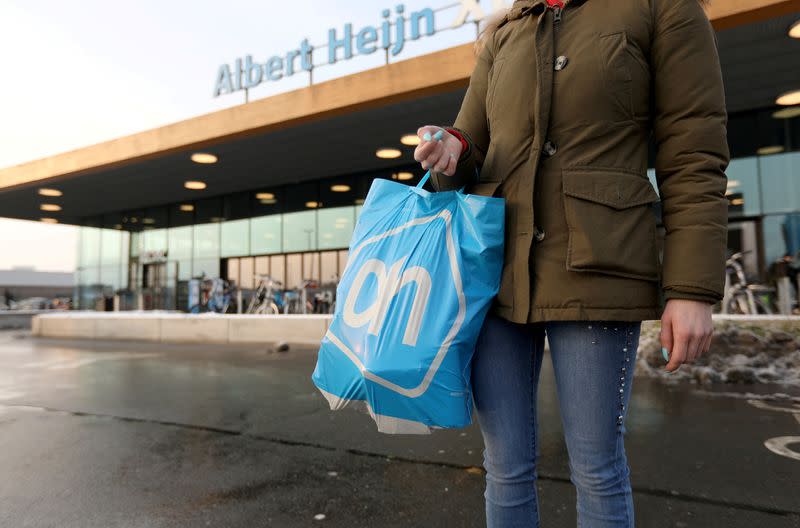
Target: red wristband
{"points": [[464, 144]]}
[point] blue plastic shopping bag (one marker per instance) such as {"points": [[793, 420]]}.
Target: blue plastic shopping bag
{"points": [[422, 271]]}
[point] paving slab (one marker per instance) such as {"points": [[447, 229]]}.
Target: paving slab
{"points": [[171, 435]]}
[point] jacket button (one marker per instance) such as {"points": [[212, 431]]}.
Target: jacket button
{"points": [[538, 234], [561, 62], [549, 148]]}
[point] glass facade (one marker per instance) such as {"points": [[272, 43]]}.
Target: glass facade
{"points": [[302, 231], [148, 257]]}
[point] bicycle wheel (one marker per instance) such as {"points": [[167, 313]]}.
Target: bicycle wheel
{"points": [[762, 306], [737, 305]]}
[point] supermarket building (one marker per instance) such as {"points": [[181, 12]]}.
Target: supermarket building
{"points": [[274, 186]]}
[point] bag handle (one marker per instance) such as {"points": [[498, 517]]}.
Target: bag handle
{"points": [[427, 177], [424, 180]]}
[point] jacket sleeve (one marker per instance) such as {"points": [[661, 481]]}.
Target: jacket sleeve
{"points": [[471, 124], [689, 126]]}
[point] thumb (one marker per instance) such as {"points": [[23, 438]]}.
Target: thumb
{"points": [[665, 335]]}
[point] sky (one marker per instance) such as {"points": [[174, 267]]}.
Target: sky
{"points": [[84, 72]]}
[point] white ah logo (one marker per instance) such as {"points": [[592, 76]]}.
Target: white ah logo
{"points": [[389, 285], [473, 7]]}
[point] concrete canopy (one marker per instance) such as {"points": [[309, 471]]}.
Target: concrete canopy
{"points": [[341, 123]]}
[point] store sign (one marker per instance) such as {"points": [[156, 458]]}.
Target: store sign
{"points": [[153, 256], [390, 35]]}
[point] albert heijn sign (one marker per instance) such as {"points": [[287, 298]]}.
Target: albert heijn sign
{"points": [[391, 35]]}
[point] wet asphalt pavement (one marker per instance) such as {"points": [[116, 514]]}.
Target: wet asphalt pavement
{"points": [[101, 434]]}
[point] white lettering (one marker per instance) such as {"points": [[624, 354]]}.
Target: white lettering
{"points": [[468, 7], [473, 8], [387, 288], [224, 82]]}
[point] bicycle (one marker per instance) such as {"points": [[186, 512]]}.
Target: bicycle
{"points": [[296, 300], [266, 298], [325, 299], [742, 296], [215, 295]]}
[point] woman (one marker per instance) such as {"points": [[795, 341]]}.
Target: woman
{"points": [[557, 118]]}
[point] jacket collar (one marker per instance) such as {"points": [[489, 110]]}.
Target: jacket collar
{"points": [[522, 8]]}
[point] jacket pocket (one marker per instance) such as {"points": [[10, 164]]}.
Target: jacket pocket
{"points": [[491, 88], [611, 222]]}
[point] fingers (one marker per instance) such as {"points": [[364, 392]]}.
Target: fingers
{"points": [[436, 154], [429, 150], [665, 336], [694, 347], [443, 162], [704, 344], [427, 129], [677, 354], [437, 150], [425, 153], [673, 343], [707, 344], [686, 332], [451, 165]]}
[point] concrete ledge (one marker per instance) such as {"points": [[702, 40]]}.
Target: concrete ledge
{"points": [[128, 328], [167, 327], [170, 327], [62, 326], [299, 329], [18, 318], [195, 329]]}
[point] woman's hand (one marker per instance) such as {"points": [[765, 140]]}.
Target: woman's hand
{"points": [[686, 331], [438, 150]]}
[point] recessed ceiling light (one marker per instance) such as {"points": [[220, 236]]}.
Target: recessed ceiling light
{"points": [[270, 201], [737, 201], [148, 221], [388, 153], [117, 226], [187, 208], [204, 157], [772, 149], [312, 205], [216, 219], [49, 220], [789, 98], [49, 192], [787, 113], [794, 30], [195, 185], [50, 207], [265, 196], [410, 139], [358, 201], [340, 188], [405, 176]]}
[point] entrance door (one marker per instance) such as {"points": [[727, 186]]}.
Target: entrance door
{"points": [[157, 293]]}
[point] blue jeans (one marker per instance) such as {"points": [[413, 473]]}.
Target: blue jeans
{"points": [[593, 363]]}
